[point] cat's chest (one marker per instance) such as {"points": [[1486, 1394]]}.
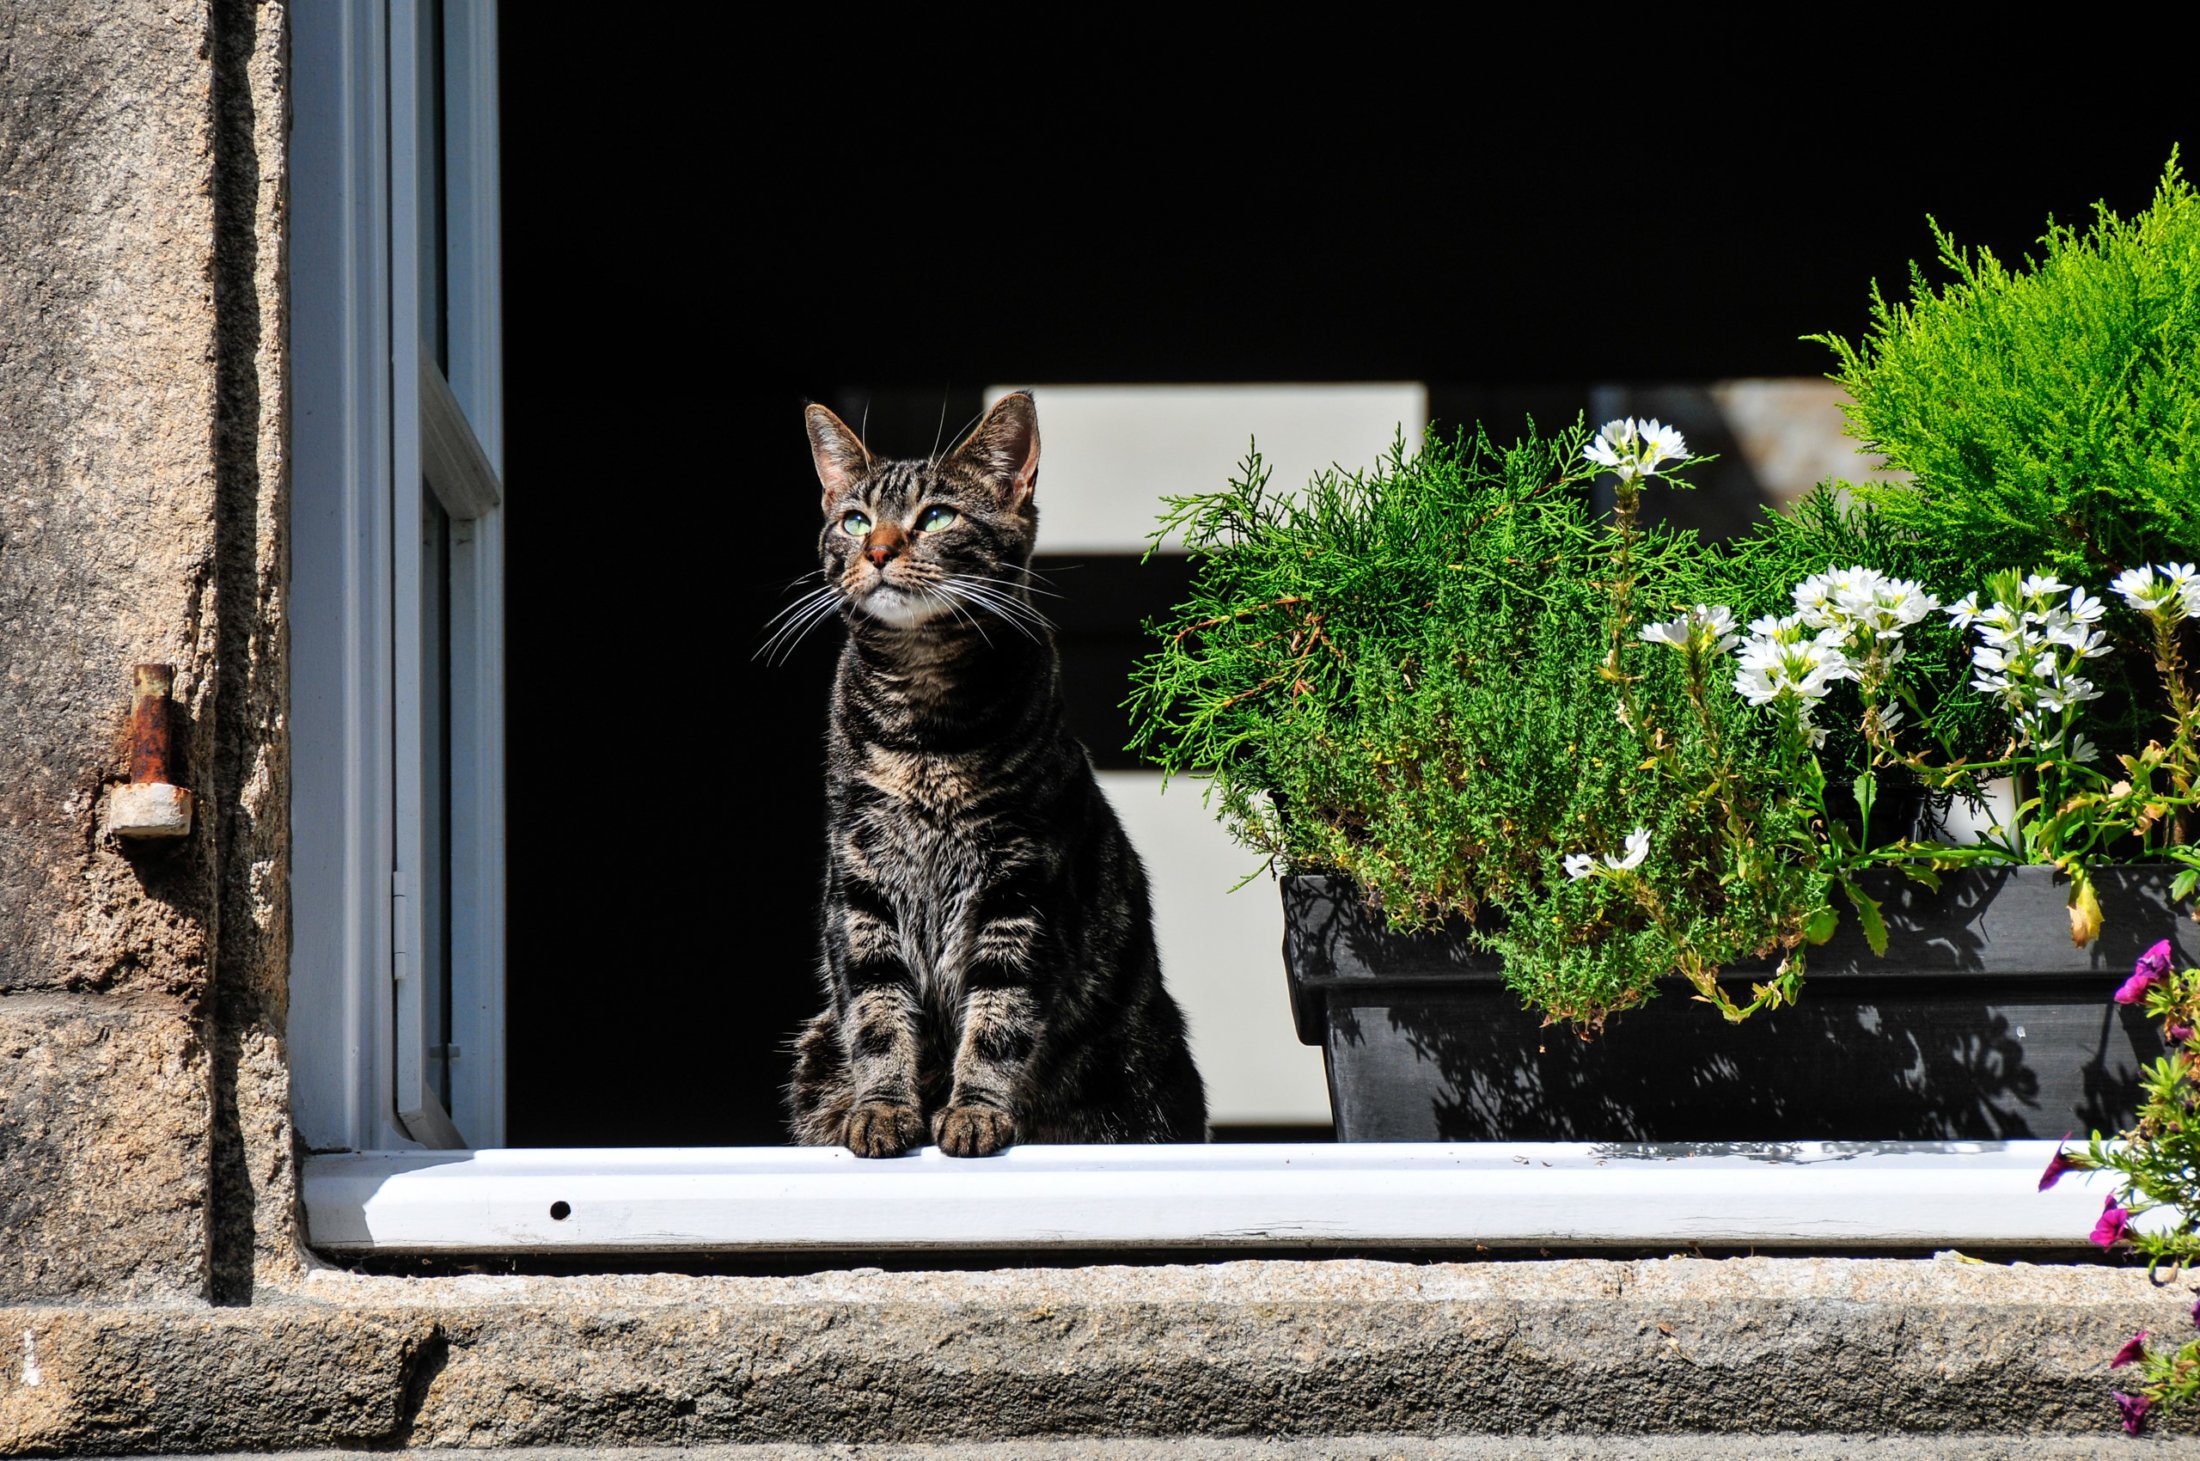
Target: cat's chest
{"points": [[929, 788], [926, 843]]}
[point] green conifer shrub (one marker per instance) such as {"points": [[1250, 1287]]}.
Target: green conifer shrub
{"points": [[1400, 676], [2049, 413]]}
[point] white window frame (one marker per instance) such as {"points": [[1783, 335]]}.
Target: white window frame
{"points": [[374, 417], [1841, 1195]]}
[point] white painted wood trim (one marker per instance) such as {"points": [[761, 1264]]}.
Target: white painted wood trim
{"points": [[1811, 1194], [341, 1015], [419, 1108], [477, 1070], [457, 467], [473, 224], [464, 416], [370, 423]]}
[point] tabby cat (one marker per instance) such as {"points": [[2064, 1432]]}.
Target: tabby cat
{"points": [[989, 965]]}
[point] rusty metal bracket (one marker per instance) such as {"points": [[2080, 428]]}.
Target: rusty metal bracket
{"points": [[150, 807]]}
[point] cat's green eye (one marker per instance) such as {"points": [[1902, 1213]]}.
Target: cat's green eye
{"points": [[936, 518], [855, 524]]}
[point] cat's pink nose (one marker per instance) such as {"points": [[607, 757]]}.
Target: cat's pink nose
{"points": [[884, 542]]}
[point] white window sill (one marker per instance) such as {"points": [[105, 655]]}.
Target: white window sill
{"points": [[1843, 1195]]}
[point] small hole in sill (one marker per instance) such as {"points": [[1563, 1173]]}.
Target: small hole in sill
{"points": [[560, 1211]]}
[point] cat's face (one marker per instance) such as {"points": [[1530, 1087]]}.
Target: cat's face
{"points": [[914, 543]]}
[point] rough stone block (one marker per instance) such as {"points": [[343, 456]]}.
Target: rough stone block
{"points": [[107, 471], [103, 1150], [121, 1380], [1538, 1354]]}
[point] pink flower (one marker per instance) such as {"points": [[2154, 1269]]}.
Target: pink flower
{"points": [[2058, 1164], [2134, 1348], [2178, 1034], [2196, 1311], [2110, 1229], [2134, 989], [2134, 1408], [2152, 965]]}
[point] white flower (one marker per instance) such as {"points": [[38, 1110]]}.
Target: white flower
{"points": [[1754, 683], [1635, 450], [1711, 625], [2067, 692], [2088, 643], [1778, 662], [2040, 586], [1863, 613], [2030, 651], [2137, 587], [1717, 623], [2176, 595], [1660, 444], [1773, 626], [1580, 865], [1964, 610], [2187, 584], [1888, 717], [1816, 599], [2140, 589], [1614, 447], [2082, 749]]}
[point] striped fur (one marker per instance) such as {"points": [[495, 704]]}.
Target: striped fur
{"points": [[988, 954]]}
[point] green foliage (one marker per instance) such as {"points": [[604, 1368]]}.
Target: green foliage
{"points": [[1432, 677], [2050, 413], [1399, 677]]}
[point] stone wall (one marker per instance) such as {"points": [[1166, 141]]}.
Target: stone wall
{"points": [[141, 168]]}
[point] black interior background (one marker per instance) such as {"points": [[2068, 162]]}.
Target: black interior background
{"points": [[699, 239]]}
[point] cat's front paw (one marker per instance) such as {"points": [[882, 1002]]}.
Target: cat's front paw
{"points": [[882, 1129], [972, 1131]]}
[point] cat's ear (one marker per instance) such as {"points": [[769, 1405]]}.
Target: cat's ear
{"points": [[840, 454], [1004, 447]]}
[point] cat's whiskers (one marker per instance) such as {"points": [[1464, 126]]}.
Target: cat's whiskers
{"points": [[800, 601], [955, 608], [1013, 612], [801, 616], [1008, 611], [927, 583], [791, 637], [1005, 592], [1010, 583]]}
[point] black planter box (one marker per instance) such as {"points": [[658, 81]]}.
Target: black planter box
{"points": [[1982, 1022]]}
